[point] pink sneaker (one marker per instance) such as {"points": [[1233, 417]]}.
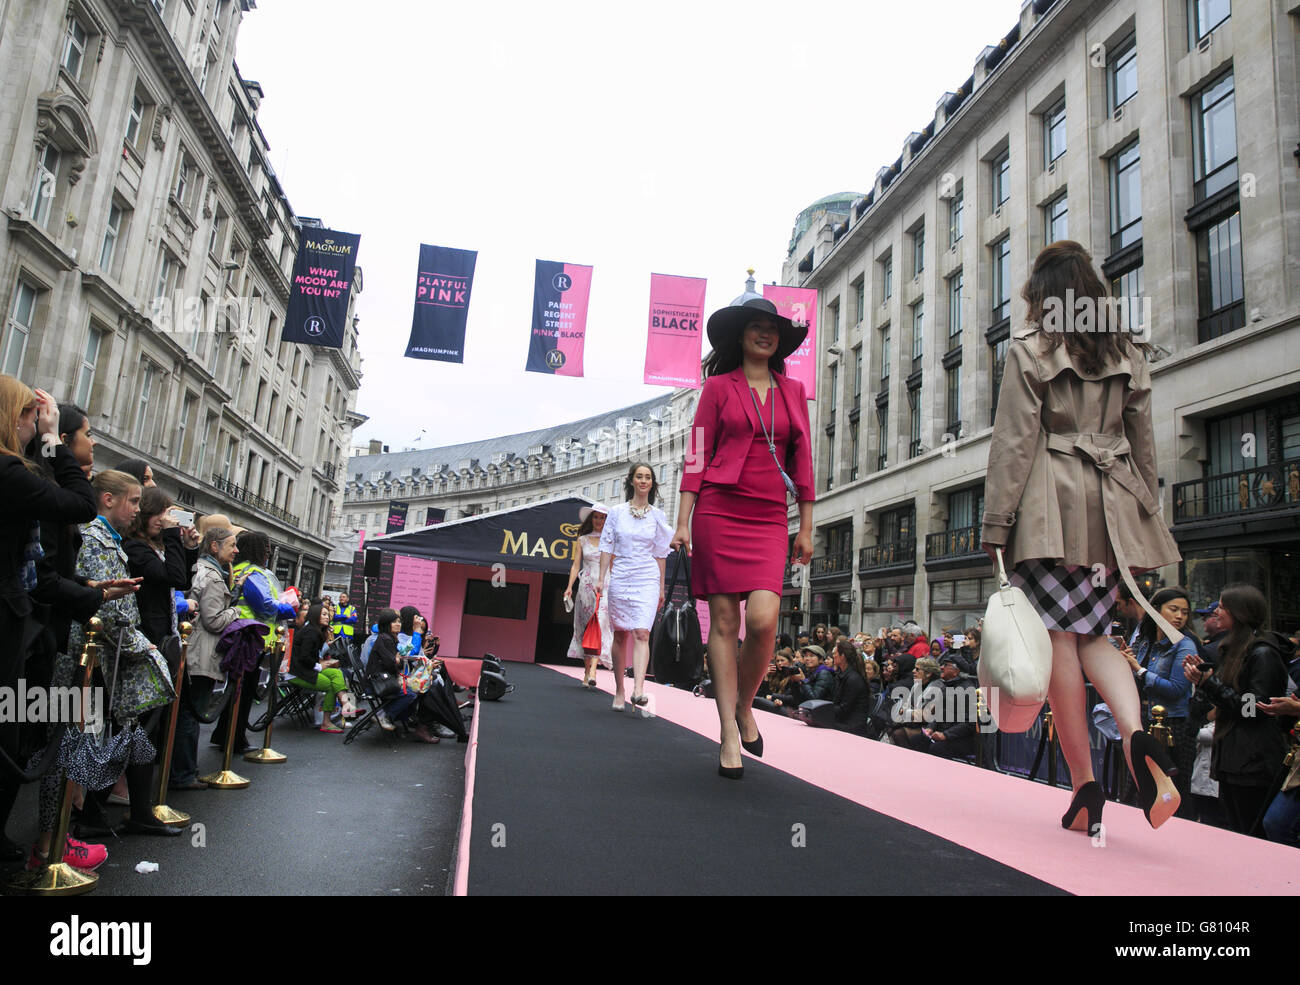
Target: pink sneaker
{"points": [[79, 855]]}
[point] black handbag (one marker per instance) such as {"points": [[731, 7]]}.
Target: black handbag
{"points": [[386, 686], [676, 646]]}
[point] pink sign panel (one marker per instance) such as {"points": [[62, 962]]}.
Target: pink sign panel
{"points": [[415, 580], [799, 304], [674, 345]]}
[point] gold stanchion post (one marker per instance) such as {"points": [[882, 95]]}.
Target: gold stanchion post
{"points": [[266, 754], [225, 778], [161, 812], [56, 877]]}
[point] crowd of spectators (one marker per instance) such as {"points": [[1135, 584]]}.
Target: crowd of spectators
{"points": [[78, 542]]}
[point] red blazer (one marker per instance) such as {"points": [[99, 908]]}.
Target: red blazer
{"points": [[724, 427]]}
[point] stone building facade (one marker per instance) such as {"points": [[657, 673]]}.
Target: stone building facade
{"points": [[1164, 138], [145, 254]]}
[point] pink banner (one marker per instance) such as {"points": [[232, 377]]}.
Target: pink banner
{"points": [[799, 304], [415, 581], [674, 346]]}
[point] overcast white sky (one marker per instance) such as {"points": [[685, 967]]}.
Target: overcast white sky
{"points": [[677, 138]]}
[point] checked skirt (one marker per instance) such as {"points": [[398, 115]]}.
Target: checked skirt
{"points": [[1065, 596]]}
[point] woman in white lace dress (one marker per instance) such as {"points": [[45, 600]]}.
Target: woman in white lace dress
{"points": [[586, 572], [633, 546]]}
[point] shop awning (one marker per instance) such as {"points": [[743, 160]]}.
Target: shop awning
{"points": [[534, 537]]}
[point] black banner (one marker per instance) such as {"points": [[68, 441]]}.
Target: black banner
{"points": [[442, 288], [538, 537], [396, 516], [435, 516], [322, 282]]}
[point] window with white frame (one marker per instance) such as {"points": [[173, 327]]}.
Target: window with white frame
{"points": [[954, 310], [1001, 169], [112, 230], [134, 120], [1203, 16], [1121, 73], [1214, 138], [1054, 132], [86, 371], [18, 329], [45, 184], [1056, 217], [148, 380], [955, 207], [75, 39]]}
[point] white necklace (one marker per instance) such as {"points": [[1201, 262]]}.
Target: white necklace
{"points": [[638, 511]]}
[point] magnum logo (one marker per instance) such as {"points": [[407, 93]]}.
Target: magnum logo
{"points": [[329, 246], [520, 545]]}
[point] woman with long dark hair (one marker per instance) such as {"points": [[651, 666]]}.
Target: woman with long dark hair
{"points": [[633, 546], [1070, 497], [852, 694], [387, 658], [313, 671], [1249, 747], [750, 448], [585, 571], [1157, 665], [155, 552], [30, 499]]}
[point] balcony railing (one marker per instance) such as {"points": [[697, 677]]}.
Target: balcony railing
{"points": [[249, 498], [959, 542], [895, 554], [1257, 490], [832, 564]]}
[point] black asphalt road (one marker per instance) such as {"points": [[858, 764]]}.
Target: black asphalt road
{"points": [[377, 817]]}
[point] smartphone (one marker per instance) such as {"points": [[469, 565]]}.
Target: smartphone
{"points": [[183, 518], [1205, 668]]}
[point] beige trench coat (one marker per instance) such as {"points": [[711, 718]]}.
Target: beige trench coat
{"points": [[1072, 465]]}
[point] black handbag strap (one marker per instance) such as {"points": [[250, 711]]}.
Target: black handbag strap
{"points": [[682, 564]]}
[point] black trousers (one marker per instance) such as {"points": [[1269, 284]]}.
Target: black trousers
{"points": [[1243, 805], [247, 695]]}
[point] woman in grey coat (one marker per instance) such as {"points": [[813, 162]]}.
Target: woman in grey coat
{"points": [[211, 589]]}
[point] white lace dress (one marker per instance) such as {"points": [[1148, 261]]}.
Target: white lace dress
{"points": [[636, 543], [584, 600]]}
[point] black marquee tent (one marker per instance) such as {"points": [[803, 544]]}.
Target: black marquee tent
{"points": [[534, 537]]}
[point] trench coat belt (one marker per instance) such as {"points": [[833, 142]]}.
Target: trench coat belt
{"points": [[1106, 451]]}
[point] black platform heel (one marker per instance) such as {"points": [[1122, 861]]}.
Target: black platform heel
{"points": [[1153, 771], [1091, 798]]}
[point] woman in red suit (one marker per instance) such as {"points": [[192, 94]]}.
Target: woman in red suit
{"points": [[750, 447]]}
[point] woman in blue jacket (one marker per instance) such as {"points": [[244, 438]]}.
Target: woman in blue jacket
{"points": [[1158, 669]]}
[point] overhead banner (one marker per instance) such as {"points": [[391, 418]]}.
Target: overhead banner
{"points": [[321, 285], [442, 287], [434, 516], [396, 516], [799, 304], [560, 294], [675, 343]]}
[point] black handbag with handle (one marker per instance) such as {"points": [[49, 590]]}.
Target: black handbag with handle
{"points": [[676, 646]]}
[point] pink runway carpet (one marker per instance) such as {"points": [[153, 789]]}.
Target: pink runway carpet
{"points": [[1006, 818]]}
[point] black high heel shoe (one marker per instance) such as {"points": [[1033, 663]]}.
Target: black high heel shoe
{"points": [[754, 748], [1153, 771], [730, 772], [1089, 797]]}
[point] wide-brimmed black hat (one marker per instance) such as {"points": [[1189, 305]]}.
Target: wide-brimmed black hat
{"points": [[726, 324]]}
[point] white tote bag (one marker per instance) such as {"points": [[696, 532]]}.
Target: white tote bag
{"points": [[1015, 664]]}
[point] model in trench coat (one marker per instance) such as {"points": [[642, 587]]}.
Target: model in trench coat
{"points": [[1072, 465]]}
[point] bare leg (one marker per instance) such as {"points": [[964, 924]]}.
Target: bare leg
{"points": [[589, 670], [1068, 696], [640, 660], [761, 613], [618, 653], [724, 624], [1110, 675]]}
